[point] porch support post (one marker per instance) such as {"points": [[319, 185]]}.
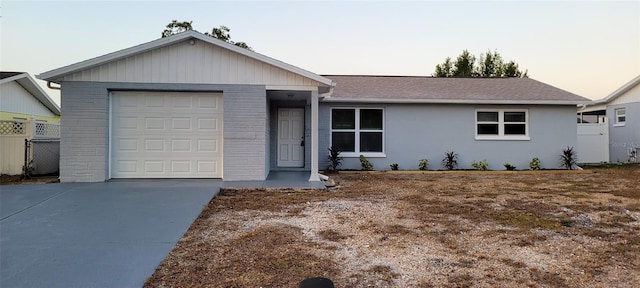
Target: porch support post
{"points": [[314, 136]]}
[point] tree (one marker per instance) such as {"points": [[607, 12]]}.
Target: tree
{"points": [[489, 64], [444, 69], [220, 33], [463, 67], [176, 27]]}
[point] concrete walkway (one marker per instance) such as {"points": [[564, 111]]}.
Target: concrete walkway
{"points": [[110, 234]]}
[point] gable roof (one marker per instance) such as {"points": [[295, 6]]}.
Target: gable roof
{"points": [[420, 89], [56, 74], [29, 84], [618, 92]]}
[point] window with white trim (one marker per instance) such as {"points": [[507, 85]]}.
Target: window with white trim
{"points": [[502, 124], [621, 116], [358, 131]]}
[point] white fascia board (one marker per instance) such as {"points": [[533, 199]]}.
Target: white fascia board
{"points": [[292, 88], [451, 101], [618, 92], [29, 84], [87, 64], [13, 78]]}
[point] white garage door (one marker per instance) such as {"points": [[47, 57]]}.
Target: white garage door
{"points": [[166, 135]]}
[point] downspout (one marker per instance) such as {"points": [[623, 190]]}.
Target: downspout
{"points": [[328, 94], [51, 86]]}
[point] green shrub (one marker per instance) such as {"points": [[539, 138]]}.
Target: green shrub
{"points": [[394, 166], [423, 164], [535, 164], [482, 165], [365, 164]]}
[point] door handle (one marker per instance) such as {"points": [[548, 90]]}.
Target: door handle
{"points": [[302, 143]]}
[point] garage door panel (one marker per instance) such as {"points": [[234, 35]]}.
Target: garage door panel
{"points": [[157, 135]]}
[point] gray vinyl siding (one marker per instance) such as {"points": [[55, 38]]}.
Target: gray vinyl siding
{"points": [[84, 131], [416, 131], [623, 137]]}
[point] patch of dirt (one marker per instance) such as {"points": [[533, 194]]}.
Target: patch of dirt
{"points": [[17, 179], [543, 229]]}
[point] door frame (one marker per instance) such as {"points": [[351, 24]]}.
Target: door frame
{"points": [[278, 137]]}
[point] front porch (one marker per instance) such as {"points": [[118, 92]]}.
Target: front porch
{"points": [[292, 129], [279, 179]]}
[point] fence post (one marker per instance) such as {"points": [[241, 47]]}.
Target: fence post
{"points": [[25, 167]]}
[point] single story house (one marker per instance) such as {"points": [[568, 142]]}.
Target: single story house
{"points": [[192, 106], [23, 99], [26, 113], [609, 129]]}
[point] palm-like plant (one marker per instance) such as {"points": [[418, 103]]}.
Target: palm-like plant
{"points": [[568, 158], [450, 160]]}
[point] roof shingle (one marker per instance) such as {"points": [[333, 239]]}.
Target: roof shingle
{"points": [[448, 90]]}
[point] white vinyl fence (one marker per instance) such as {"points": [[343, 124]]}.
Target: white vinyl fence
{"points": [[13, 137]]}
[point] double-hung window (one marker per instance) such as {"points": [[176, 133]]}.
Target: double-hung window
{"points": [[621, 116], [502, 124], [358, 131]]}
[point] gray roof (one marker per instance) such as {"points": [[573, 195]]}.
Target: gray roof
{"points": [[416, 89]]}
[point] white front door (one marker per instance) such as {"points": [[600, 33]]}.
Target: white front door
{"points": [[291, 140]]}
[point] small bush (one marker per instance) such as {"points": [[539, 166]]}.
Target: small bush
{"points": [[394, 166], [568, 159], [566, 222], [450, 160], [423, 164], [509, 167], [535, 164], [334, 159], [482, 165], [365, 164]]}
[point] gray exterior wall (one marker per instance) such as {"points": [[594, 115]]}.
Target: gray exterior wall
{"points": [[416, 131], [84, 131], [273, 141], [623, 137]]}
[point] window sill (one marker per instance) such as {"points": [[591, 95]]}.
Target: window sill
{"points": [[618, 125], [365, 154], [504, 138]]}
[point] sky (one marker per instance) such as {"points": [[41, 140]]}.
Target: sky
{"points": [[589, 48]]}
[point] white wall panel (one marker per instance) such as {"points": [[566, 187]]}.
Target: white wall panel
{"points": [[14, 98], [201, 63]]}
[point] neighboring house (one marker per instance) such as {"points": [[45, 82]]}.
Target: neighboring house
{"points": [[609, 128], [23, 99], [26, 113], [192, 106]]}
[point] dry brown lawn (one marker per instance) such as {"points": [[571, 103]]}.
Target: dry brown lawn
{"points": [[437, 229]]}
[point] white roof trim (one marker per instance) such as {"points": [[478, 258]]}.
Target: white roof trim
{"points": [[618, 92], [451, 101], [53, 75], [29, 84]]}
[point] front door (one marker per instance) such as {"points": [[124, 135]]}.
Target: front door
{"points": [[291, 137]]}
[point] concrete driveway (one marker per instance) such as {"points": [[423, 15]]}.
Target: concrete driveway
{"points": [[110, 234]]}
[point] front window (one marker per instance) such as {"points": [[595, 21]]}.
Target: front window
{"points": [[357, 131], [502, 124], [621, 116]]}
